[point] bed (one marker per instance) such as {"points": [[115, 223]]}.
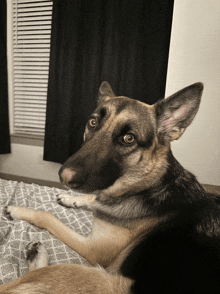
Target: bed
{"points": [[15, 235]]}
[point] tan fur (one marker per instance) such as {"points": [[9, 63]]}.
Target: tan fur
{"points": [[76, 279], [176, 133]]}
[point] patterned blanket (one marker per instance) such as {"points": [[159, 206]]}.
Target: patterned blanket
{"points": [[15, 235]]}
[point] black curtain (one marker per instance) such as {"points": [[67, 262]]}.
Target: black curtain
{"points": [[124, 42], [4, 119]]}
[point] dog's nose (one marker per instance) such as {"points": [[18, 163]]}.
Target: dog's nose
{"points": [[66, 176], [71, 178]]}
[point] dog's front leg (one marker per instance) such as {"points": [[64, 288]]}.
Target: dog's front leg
{"points": [[46, 220]]}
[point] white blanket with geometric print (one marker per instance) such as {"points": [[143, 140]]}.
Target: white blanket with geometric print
{"points": [[16, 234]]}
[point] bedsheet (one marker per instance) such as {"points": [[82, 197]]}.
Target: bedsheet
{"points": [[16, 234]]}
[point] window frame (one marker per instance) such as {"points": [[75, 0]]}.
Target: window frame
{"points": [[19, 138]]}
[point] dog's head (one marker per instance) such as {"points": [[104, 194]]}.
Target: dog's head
{"points": [[126, 141]]}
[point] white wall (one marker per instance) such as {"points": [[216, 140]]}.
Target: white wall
{"points": [[195, 56]]}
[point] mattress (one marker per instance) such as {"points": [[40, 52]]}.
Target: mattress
{"points": [[16, 234]]}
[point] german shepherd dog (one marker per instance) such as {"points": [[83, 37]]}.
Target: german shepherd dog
{"points": [[155, 229]]}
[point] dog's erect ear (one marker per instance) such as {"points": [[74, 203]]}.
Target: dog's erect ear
{"points": [[105, 93], [175, 113]]}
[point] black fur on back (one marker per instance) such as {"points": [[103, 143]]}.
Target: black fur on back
{"points": [[181, 255]]}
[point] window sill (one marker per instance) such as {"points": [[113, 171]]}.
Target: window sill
{"points": [[27, 140]]}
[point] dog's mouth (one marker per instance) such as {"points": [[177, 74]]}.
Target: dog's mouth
{"points": [[81, 188], [86, 187], [73, 186]]}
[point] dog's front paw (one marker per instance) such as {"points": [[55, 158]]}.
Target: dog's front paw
{"points": [[68, 200], [21, 213], [36, 255], [12, 212]]}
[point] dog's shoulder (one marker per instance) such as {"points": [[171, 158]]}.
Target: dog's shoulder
{"points": [[179, 256]]}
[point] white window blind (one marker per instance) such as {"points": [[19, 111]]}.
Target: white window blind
{"points": [[31, 51]]}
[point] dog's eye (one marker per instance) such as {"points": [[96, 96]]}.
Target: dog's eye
{"points": [[128, 139], [92, 122]]}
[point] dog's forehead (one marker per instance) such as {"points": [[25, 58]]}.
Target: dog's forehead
{"points": [[127, 109]]}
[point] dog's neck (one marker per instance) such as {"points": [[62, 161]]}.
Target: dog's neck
{"points": [[155, 201], [175, 182]]}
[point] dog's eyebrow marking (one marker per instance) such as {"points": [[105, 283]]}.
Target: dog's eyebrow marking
{"points": [[125, 128], [102, 112], [122, 105]]}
